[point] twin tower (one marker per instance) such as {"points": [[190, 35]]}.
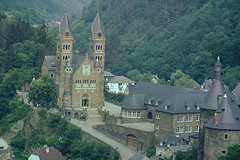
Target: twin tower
{"points": [[79, 80]]}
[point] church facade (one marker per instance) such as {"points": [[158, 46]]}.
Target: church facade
{"points": [[79, 80]]}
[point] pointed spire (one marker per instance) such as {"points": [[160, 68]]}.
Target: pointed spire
{"points": [[64, 25], [97, 26], [218, 69], [69, 64], [213, 98], [97, 64]]}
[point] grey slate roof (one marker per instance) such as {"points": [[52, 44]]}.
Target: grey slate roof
{"points": [[183, 103], [120, 79], [136, 101], [182, 148], [164, 95], [230, 114], [236, 93], [96, 26], [139, 156], [77, 61], [168, 140], [51, 62], [108, 74], [216, 89], [64, 24]]}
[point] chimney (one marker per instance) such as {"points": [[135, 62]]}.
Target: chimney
{"points": [[219, 99], [217, 118]]}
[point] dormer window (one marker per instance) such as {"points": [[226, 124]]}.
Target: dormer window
{"points": [[166, 107], [188, 107]]}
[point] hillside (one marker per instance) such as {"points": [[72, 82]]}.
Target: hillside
{"points": [[163, 36], [36, 11]]}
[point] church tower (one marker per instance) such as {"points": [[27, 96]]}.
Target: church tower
{"points": [[97, 52], [64, 55], [210, 104]]}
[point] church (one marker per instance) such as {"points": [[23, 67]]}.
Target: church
{"points": [[79, 80]]}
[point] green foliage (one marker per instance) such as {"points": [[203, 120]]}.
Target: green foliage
{"points": [[210, 112], [231, 76], [35, 12], [233, 153], [179, 79], [136, 76], [162, 37], [42, 91], [117, 97], [64, 136], [151, 150], [191, 154]]}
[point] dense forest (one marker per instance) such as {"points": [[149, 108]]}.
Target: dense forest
{"points": [[162, 36], [37, 11]]}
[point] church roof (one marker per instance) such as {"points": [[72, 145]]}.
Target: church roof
{"points": [[96, 26], [230, 114], [51, 62], [77, 61], [161, 95], [64, 24], [217, 89]]}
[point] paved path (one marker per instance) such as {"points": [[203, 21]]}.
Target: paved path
{"points": [[125, 151]]}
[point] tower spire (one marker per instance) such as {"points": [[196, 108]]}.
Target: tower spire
{"points": [[218, 69]]}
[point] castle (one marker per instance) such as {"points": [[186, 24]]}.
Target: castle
{"points": [[79, 80]]}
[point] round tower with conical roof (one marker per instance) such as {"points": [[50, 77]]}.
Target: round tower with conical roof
{"points": [[210, 104]]}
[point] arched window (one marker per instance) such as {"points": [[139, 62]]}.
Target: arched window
{"points": [[96, 57], [96, 47], [66, 58], [100, 58], [101, 47], [150, 116], [64, 46], [63, 58], [69, 46]]}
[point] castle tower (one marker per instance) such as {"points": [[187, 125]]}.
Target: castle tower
{"points": [[210, 104], [223, 129], [63, 54]]}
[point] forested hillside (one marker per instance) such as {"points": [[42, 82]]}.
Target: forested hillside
{"points": [[162, 36], [36, 11]]}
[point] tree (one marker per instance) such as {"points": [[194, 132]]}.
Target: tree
{"points": [[233, 153], [179, 79], [151, 150], [191, 153], [42, 91]]}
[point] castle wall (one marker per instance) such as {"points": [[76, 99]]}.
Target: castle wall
{"points": [[217, 142], [121, 133]]}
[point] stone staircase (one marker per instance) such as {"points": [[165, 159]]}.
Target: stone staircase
{"points": [[93, 115]]}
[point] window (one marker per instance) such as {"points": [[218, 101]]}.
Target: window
{"points": [[186, 129], [129, 114], [179, 118], [134, 114], [125, 114], [181, 129], [225, 136], [158, 116], [138, 114], [186, 119], [196, 129], [188, 107], [190, 118], [190, 129], [197, 117], [177, 130], [157, 127], [165, 107]]}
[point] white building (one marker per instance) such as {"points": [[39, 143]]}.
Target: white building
{"points": [[119, 84]]}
